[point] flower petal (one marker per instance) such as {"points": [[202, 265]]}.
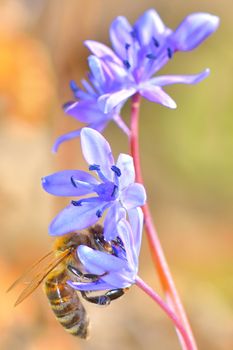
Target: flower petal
{"points": [[114, 214], [97, 262], [60, 183], [87, 111], [179, 79], [120, 279], [96, 150], [133, 196], [65, 137], [149, 26], [74, 218], [91, 286], [136, 223], [156, 94], [126, 235], [96, 69], [126, 165], [108, 101], [120, 35], [102, 51], [193, 30]]}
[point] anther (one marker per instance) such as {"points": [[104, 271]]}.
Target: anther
{"points": [[116, 170], [155, 41], [94, 167], [134, 34], [127, 46], [126, 64], [73, 86], [99, 213], [169, 52], [73, 181], [76, 203], [115, 188], [67, 104], [151, 56]]}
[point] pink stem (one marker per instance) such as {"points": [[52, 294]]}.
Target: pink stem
{"points": [[148, 290], [155, 245]]}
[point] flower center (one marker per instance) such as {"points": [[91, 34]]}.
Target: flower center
{"points": [[107, 191]]}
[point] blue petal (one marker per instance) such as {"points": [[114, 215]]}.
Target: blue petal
{"points": [[87, 111], [99, 126], [66, 137], [120, 35], [74, 218], [125, 163], [120, 279], [149, 26], [156, 94], [126, 235], [133, 196], [102, 51], [114, 214], [96, 150], [97, 262], [60, 183], [96, 69], [108, 101], [179, 79], [116, 71], [193, 30], [90, 90], [136, 223], [91, 286]]}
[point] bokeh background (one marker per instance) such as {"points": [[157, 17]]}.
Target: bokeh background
{"points": [[187, 165]]}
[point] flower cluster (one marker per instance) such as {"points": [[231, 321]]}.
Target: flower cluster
{"points": [[130, 67], [138, 53]]}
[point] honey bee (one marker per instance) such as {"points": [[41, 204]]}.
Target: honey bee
{"points": [[62, 264]]}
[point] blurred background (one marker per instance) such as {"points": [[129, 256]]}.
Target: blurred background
{"points": [[187, 165]]}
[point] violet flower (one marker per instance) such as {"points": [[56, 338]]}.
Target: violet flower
{"points": [[86, 108], [118, 270], [115, 189], [141, 50]]}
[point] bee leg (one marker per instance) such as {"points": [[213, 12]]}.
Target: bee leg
{"points": [[103, 300], [115, 293], [87, 277]]}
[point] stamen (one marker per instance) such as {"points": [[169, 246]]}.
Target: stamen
{"points": [[126, 64], [73, 181], [151, 56], [116, 170], [99, 213], [169, 52], [156, 42], [77, 203], [115, 189], [73, 86], [94, 167], [119, 241], [127, 46]]}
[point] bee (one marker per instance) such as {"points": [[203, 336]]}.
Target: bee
{"points": [[62, 264]]}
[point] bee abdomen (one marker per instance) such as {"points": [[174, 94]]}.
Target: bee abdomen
{"points": [[66, 305]]}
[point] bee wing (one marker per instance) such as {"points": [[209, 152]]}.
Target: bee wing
{"points": [[37, 273], [32, 268]]}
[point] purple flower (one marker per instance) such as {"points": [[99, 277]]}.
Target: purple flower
{"points": [[86, 108], [141, 50], [118, 270], [115, 189]]}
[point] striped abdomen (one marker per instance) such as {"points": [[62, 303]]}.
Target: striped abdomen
{"points": [[66, 304]]}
